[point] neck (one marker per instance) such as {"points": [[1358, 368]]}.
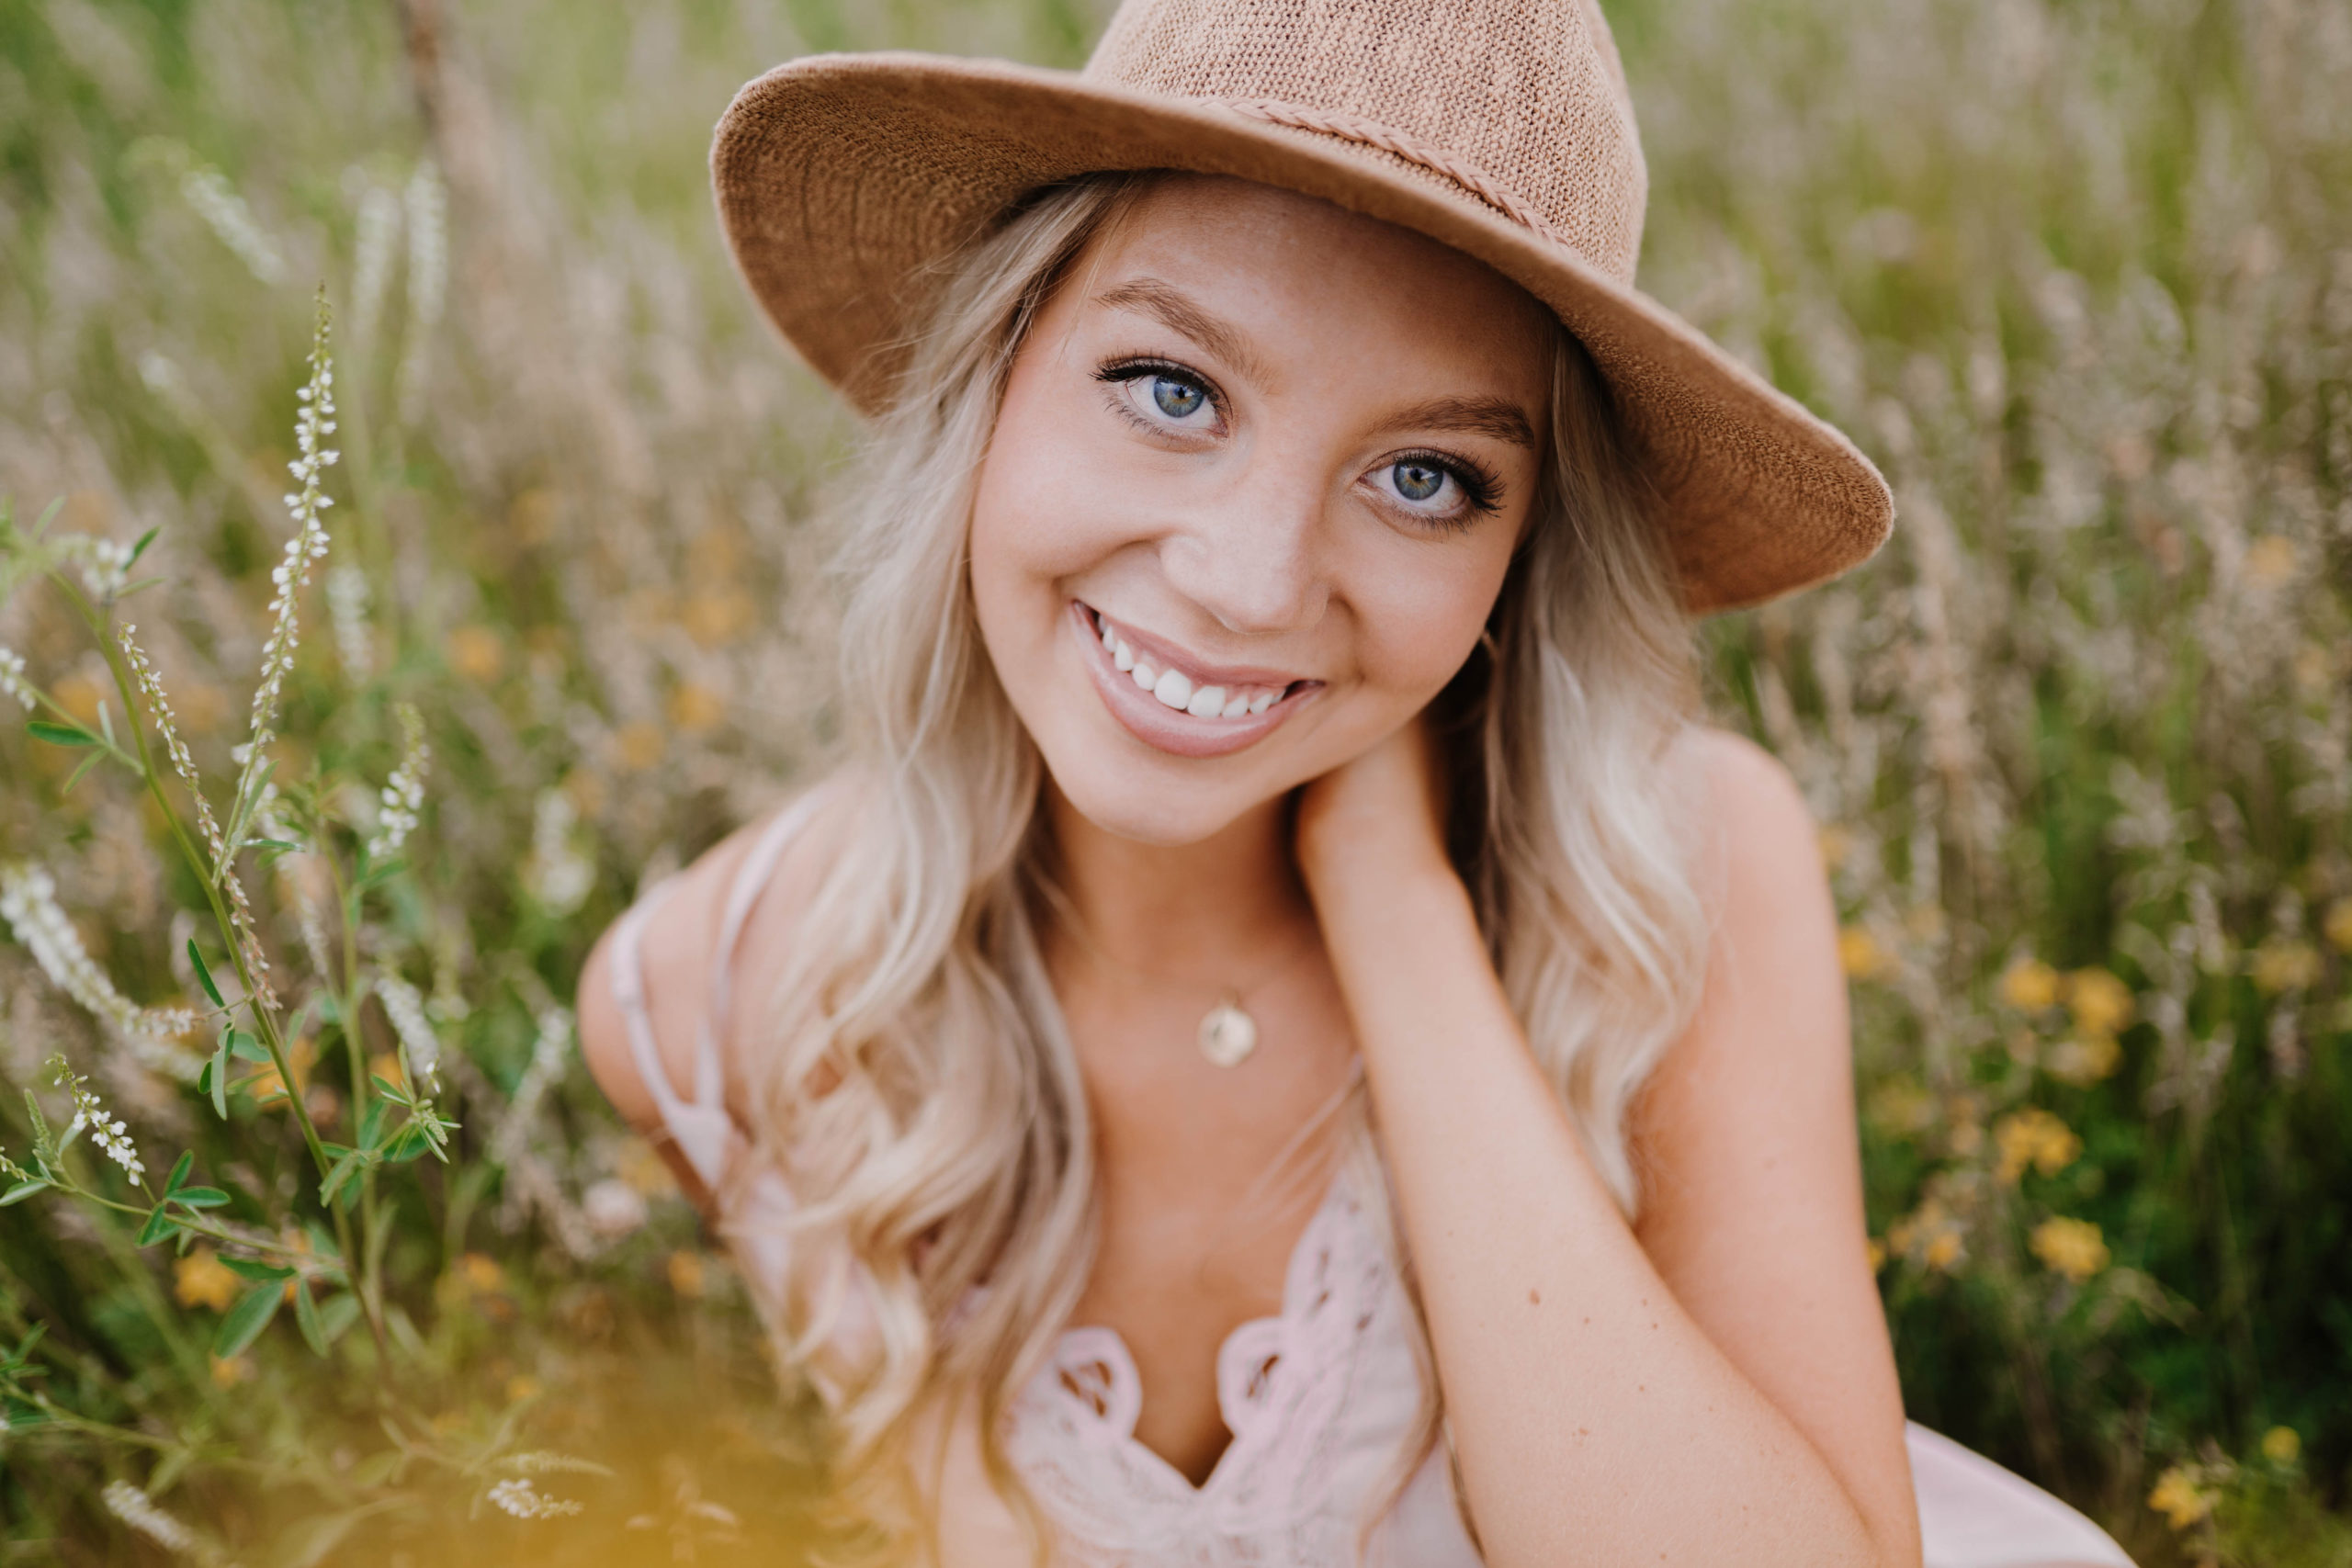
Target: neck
{"points": [[1214, 911]]}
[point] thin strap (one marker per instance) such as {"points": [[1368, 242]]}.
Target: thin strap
{"points": [[750, 880], [628, 991]]}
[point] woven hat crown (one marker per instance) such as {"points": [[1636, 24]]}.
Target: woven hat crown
{"points": [[1520, 102]]}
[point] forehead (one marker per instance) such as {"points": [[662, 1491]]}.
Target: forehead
{"points": [[1293, 270]]}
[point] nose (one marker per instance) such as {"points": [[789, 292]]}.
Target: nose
{"points": [[1254, 557]]}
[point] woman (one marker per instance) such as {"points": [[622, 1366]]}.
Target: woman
{"points": [[1283, 1039]]}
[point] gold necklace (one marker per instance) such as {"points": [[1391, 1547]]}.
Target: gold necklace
{"points": [[1228, 1031]]}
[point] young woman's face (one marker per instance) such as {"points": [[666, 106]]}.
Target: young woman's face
{"points": [[1260, 468]]}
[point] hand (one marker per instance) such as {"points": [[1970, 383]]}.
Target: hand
{"points": [[1382, 814]]}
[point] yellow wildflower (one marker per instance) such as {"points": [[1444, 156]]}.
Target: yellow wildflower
{"points": [[1875, 1250], [1836, 845], [641, 1167], [202, 1280], [2270, 560], [2101, 1003], [2029, 986], [713, 618], [1901, 1106], [640, 745], [2179, 1499], [1859, 955], [2033, 1137], [1929, 1234], [2285, 965], [1943, 1251], [686, 1273], [386, 1065], [2282, 1445], [520, 1387], [2337, 926], [230, 1371], [2072, 1248], [695, 708], [2089, 1059], [476, 653], [481, 1273]]}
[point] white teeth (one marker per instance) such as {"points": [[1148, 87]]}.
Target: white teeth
{"points": [[1174, 689]]}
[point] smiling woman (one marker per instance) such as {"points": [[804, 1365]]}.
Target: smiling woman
{"points": [[1272, 596]]}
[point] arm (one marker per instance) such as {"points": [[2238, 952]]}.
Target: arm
{"points": [[1707, 1404]]}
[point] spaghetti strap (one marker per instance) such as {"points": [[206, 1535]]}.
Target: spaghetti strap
{"points": [[750, 880], [697, 1119]]}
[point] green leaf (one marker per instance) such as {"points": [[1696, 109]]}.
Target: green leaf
{"points": [[141, 548], [215, 1080], [306, 1314], [186, 1163], [24, 1189], [253, 1269], [202, 1197], [382, 872], [203, 974], [248, 1318], [338, 1178], [246, 1048], [371, 1124], [130, 588], [91, 761], [61, 734], [160, 1223], [338, 1316]]}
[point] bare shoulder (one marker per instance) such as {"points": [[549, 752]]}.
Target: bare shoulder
{"points": [[1752, 828], [679, 945]]}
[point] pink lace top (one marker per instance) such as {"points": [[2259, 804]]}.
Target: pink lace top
{"points": [[1321, 1400]]}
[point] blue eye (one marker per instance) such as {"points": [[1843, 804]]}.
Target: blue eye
{"points": [[1177, 399], [1418, 480]]}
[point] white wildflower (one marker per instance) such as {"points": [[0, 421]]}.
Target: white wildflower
{"points": [[422, 1048], [522, 1500], [135, 1508], [105, 563], [558, 876], [159, 707], [225, 213], [108, 1132], [13, 682], [315, 423], [347, 608], [28, 903], [429, 275], [613, 1208], [371, 260], [403, 795]]}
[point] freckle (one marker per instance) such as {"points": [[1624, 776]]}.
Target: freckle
{"points": [[1534, 1298]]}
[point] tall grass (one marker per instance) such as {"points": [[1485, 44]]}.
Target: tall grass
{"points": [[2079, 275]]}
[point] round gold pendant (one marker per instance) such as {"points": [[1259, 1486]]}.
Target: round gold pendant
{"points": [[1228, 1034]]}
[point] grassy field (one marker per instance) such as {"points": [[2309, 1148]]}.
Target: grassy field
{"points": [[2077, 273]]}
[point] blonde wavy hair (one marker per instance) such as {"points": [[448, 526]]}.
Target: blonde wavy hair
{"points": [[912, 1081]]}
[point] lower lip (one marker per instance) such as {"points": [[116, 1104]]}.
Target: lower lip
{"points": [[1169, 729]]}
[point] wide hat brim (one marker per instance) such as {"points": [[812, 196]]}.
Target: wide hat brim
{"points": [[843, 180]]}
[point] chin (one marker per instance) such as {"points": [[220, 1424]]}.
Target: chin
{"points": [[1130, 804]]}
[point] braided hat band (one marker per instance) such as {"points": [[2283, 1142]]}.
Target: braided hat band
{"points": [[1502, 128]]}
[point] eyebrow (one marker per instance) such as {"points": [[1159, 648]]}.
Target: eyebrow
{"points": [[1171, 307], [1498, 417]]}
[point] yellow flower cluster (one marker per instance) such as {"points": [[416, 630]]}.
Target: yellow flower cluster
{"points": [[2181, 1497], [2282, 965], [2072, 1248], [2035, 1139], [2101, 1005], [1931, 1234]]}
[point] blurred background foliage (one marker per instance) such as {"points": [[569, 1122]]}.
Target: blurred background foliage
{"points": [[2076, 273]]}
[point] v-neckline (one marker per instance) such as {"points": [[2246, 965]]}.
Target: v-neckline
{"points": [[1121, 1402]]}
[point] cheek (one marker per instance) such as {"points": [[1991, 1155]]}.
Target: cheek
{"points": [[1417, 626]]}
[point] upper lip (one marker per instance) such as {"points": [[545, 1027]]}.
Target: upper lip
{"points": [[1202, 671]]}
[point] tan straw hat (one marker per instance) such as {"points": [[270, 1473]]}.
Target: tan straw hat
{"points": [[1502, 128]]}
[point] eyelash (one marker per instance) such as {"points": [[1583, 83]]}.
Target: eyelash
{"points": [[1481, 489]]}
